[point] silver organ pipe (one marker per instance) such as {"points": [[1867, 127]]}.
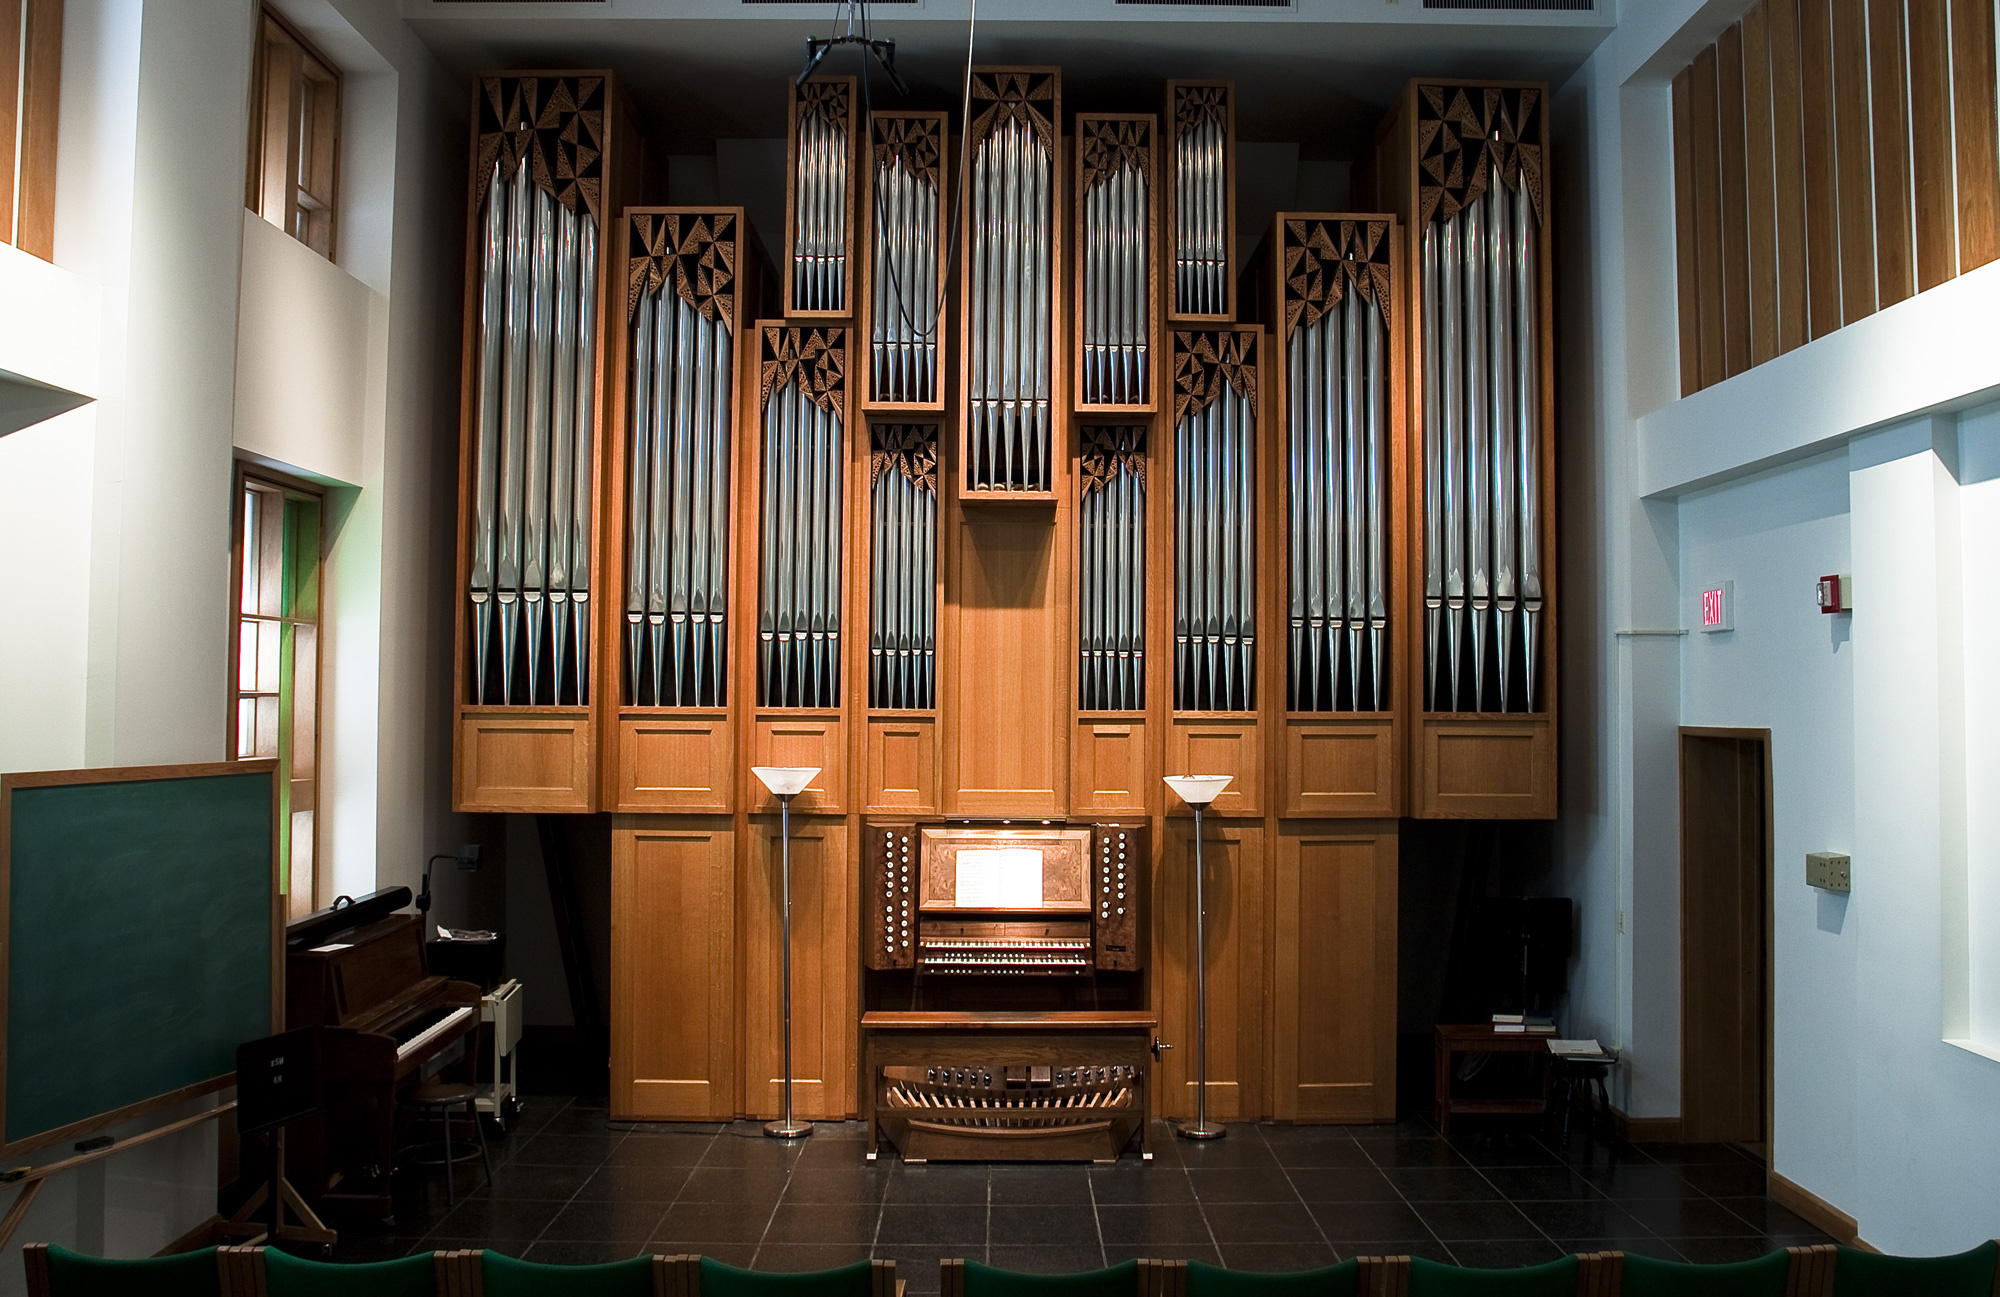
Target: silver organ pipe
{"points": [[903, 350], [1202, 185], [1215, 575], [677, 469], [799, 542], [1010, 283], [535, 425], [1338, 403], [1481, 380], [1111, 551], [1116, 260], [822, 116], [902, 586]]}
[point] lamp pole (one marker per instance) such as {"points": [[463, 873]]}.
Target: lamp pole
{"points": [[1198, 791], [785, 783]]}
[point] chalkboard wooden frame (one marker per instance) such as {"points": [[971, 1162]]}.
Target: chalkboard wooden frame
{"points": [[9, 783]]}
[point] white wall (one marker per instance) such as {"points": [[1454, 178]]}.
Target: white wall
{"points": [[213, 333], [1846, 455]]}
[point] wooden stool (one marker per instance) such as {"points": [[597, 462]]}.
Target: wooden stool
{"points": [[439, 1100]]}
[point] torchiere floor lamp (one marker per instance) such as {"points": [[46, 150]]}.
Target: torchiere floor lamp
{"points": [[1198, 791], [785, 783]]}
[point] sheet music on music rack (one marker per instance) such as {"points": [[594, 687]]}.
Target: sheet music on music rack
{"points": [[999, 878]]}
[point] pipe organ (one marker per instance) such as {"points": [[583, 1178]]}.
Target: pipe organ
{"points": [[1011, 268], [1339, 407], [819, 202], [1466, 164], [1202, 198], [1215, 531], [905, 240], [869, 509]]}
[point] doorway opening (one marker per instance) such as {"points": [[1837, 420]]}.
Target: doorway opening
{"points": [[1726, 941]]}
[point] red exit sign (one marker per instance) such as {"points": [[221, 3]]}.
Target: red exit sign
{"points": [[1718, 610]]}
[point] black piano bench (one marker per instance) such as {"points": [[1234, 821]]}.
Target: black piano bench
{"points": [[440, 1100]]}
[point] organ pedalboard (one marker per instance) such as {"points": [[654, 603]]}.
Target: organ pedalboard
{"points": [[985, 900]]}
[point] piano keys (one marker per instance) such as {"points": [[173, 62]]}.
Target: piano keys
{"points": [[387, 1024]]}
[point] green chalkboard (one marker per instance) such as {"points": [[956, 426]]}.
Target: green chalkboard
{"points": [[141, 924]]}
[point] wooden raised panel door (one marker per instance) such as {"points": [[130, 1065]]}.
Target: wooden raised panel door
{"points": [[1333, 960], [824, 955], [1233, 858], [673, 989]]}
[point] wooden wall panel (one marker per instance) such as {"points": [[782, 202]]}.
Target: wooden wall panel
{"points": [[902, 765], [1854, 159], [1333, 978], [518, 760], [673, 1001], [676, 761], [1114, 771], [1822, 201], [1976, 132], [1895, 252], [1010, 659], [1235, 859], [799, 740], [1338, 767], [1930, 141], [1760, 179], [1488, 771], [1733, 189], [1233, 746], [825, 960], [1707, 137], [1686, 257], [1788, 172]]}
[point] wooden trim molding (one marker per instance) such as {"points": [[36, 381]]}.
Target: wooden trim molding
{"points": [[1821, 1214]]}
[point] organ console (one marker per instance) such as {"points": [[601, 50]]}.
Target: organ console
{"points": [[1001, 900], [386, 1023]]}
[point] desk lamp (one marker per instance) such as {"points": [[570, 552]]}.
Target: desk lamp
{"points": [[785, 783], [1198, 791]]}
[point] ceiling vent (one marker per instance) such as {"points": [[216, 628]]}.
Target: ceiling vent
{"points": [[1580, 6]]}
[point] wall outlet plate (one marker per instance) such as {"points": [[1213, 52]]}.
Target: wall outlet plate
{"points": [[1829, 871]]}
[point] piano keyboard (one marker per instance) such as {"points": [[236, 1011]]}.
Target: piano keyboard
{"points": [[443, 1026], [1003, 955]]}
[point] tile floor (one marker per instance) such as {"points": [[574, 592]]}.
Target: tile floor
{"points": [[569, 1187]]}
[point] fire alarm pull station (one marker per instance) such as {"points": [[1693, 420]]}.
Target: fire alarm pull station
{"points": [[1836, 594], [1718, 607]]}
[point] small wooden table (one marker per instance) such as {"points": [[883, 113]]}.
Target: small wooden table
{"points": [[995, 1039], [1455, 1038]]}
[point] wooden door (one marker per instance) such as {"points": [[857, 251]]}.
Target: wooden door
{"points": [[825, 954], [1725, 935], [673, 985], [1234, 864], [1333, 981]]}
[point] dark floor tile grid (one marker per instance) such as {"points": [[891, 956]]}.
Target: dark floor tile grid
{"points": [[570, 1186]]}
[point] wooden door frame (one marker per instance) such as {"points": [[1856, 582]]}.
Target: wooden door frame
{"points": [[1762, 738]]}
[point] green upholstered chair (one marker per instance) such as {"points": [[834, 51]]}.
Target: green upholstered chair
{"points": [[712, 1278], [1436, 1279], [290, 1276], [1766, 1276], [503, 1276], [55, 1271], [1870, 1274], [1330, 1281], [971, 1279]]}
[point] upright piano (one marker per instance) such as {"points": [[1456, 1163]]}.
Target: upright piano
{"points": [[386, 1024]]}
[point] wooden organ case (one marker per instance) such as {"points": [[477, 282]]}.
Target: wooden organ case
{"points": [[996, 530]]}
